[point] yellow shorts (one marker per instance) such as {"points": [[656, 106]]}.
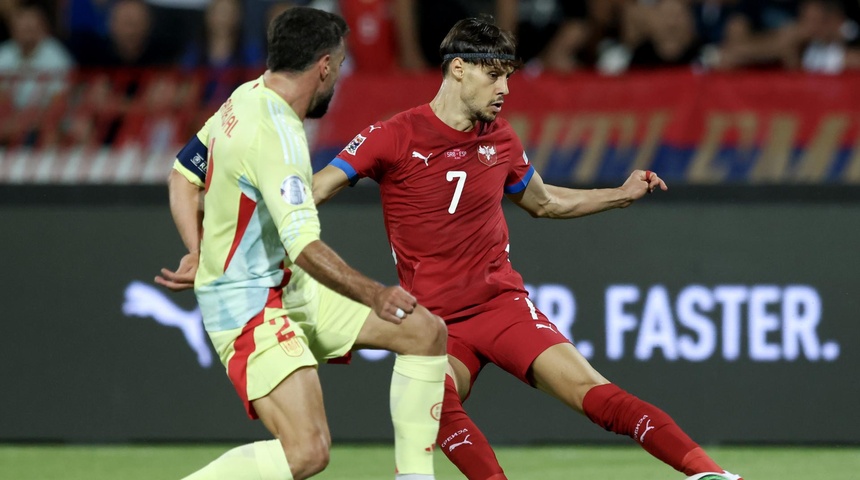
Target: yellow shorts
{"points": [[277, 342]]}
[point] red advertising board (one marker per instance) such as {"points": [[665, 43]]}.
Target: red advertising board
{"points": [[751, 127]]}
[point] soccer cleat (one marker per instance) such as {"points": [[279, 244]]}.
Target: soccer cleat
{"points": [[715, 476]]}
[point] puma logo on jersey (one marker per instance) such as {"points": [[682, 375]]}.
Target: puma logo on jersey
{"points": [[540, 325], [422, 157], [372, 128], [143, 300], [648, 428], [464, 442]]}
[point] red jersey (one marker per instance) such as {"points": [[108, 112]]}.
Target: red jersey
{"points": [[442, 201]]}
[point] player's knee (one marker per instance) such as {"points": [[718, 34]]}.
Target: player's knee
{"points": [[428, 334], [309, 457]]}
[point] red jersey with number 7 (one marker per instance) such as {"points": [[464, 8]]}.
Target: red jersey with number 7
{"points": [[442, 194]]}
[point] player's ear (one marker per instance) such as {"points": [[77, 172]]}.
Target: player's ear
{"points": [[457, 68], [324, 66]]}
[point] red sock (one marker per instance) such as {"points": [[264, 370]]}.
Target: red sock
{"points": [[462, 442], [617, 411]]}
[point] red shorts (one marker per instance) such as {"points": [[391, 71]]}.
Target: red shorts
{"points": [[511, 332]]}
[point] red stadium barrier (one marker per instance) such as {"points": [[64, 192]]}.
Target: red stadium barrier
{"points": [[741, 128], [750, 127]]}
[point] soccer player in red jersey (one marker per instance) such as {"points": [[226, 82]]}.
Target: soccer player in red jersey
{"points": [[442, 168]]}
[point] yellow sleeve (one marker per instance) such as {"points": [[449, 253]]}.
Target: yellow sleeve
{"points": [[283, 176]]}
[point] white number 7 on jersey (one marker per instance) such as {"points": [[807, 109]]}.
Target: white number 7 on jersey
{"points": [[458, 190]]}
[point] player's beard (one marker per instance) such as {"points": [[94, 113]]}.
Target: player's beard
{"points": [[320, 105], [485, 117]]}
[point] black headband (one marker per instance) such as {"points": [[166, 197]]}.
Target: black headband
{"points": [[479, 56]]}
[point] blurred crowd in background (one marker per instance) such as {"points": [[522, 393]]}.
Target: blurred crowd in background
{"points": [[611, 36], [44, 39]]}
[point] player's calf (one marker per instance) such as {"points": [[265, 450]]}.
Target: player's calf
{"points": [[618, 411]]}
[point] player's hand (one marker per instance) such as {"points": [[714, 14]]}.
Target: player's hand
{"points": [[393, 304], [641, 182], [183, 277]]}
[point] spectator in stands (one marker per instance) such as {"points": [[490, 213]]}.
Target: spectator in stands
{"points": [[828, 39], [219, 55], [551, 34], [33, 63], [129, 42], [712, 17], [760, 33], [605, 19], [6, 9], [670, 37], [121, 96], [177, 22], [420, 27], [84, 17], [371, 45], [654, 35]]}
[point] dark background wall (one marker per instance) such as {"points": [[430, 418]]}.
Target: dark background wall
{"points": [[734, 310]]}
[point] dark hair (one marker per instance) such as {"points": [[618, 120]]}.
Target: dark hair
{"points": [[479, 36], [299, 36]]}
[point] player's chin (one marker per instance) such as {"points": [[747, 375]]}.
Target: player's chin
{"points": [[487, 116]]}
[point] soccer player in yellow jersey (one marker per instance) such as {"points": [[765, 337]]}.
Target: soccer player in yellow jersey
{"points": [[275, 299]]}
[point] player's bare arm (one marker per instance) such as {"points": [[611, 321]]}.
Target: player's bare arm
{"points": [[327, 182], [322, 263], [186, 207], [549, 201]]}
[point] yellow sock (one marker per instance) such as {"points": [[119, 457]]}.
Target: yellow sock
{"points": [[253, 461], [417, 386]]}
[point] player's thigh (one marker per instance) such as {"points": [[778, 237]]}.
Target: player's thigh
{"points": [[338, 321], [260, 355], [512, 333], [465, 339], [293, 411], [564, 373], [419, 333]]}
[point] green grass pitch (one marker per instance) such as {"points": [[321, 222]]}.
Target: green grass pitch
{"points": [[152, 462]]}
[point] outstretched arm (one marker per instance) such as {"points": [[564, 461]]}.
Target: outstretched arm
{"points": [[186, 206], [324, 265], [327, 182], [549, 201]]}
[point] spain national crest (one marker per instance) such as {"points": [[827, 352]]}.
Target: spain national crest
{"points": [[487, 154]]}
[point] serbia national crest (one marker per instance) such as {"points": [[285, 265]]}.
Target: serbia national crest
{"points": [[487, 154]]}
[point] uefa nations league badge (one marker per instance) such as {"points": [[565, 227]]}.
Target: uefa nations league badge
{"points": [[293, 190]]}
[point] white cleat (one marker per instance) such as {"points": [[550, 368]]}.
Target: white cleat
{"points": [[715, 476]]}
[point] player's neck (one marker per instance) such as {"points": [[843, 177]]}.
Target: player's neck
{"points": [[293, 89], [450, 109]]}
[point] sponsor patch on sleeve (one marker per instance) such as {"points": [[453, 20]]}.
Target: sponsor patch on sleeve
{"points": [[293, 190], [356, 142]]}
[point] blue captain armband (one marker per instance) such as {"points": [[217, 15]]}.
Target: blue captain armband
{"points": [[193, 157], [522, 184], [350, 172]]}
